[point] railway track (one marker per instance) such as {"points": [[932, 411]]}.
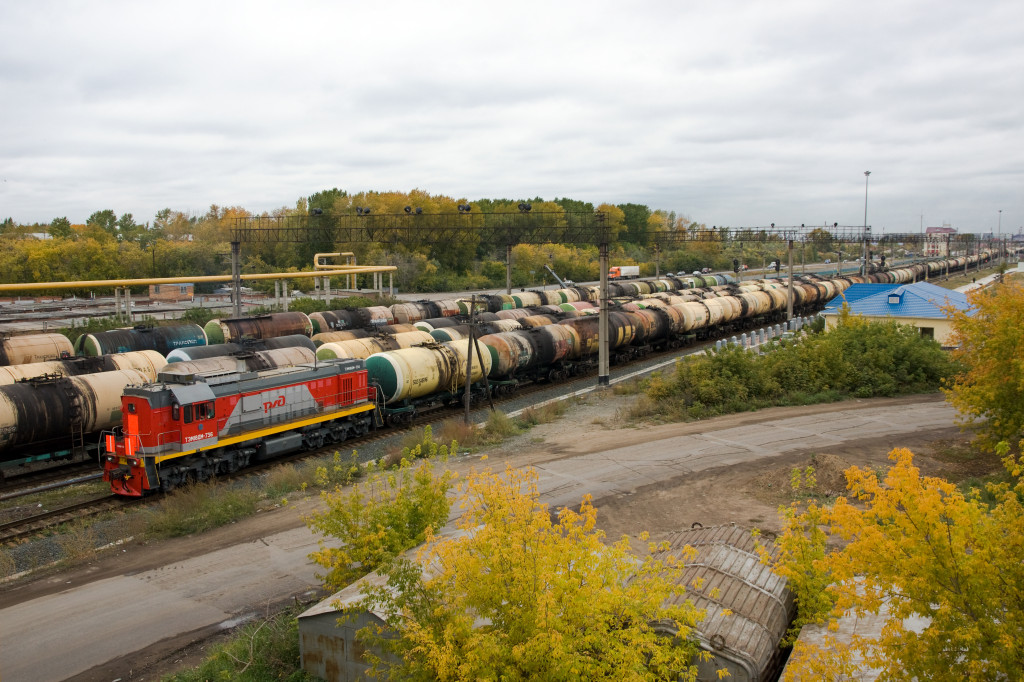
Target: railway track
{"points": [[28, 483], [18, 530], [13, 532]]}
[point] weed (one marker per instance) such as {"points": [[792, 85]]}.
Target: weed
{"points": [[499, 426], [338, 471], [466, 435], [77, 541], [200, 507], [631, 387], [267, 649], [7, 565], [282, 480], [543, 414]]}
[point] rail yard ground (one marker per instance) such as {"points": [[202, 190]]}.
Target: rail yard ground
{"points": [[140, 611]]}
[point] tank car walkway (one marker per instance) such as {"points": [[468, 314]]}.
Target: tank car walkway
{"points": [[51, 630]]}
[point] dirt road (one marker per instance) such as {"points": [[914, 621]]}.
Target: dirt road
{"points": [[134, 611]]}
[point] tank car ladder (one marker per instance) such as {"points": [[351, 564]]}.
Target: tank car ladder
{"points": [[75, 413]]}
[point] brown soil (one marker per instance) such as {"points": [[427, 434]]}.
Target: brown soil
{"points": [[749, 496]]}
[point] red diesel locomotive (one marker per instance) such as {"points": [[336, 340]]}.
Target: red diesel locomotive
{"points": [[191, 427]]}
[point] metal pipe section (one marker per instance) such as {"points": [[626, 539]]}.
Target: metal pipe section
{"points": [[99, 283]]}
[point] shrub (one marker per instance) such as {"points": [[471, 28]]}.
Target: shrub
{"points": [[857, 359], [262, 650]]}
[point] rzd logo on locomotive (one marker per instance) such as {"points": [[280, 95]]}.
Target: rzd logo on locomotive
{"points": [[268, 406]]}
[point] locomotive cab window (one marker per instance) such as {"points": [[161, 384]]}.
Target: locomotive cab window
{"points": [[175, 411], [188, 414], [204, 411], [131, 408]]}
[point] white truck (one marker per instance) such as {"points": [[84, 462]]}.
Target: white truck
{"points": [[624, 272]]}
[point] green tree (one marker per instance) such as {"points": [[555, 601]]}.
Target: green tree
{"points": [[105, 220], [516, 596], [636, 217], [990, 347], [60, 228]]}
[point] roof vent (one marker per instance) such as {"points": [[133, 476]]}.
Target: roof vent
{"points": [[896, 297]]}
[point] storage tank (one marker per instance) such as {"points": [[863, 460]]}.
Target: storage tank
{"points": [[259, 327], [416, 372], [161, 339], [37, 415], [22, 350]]}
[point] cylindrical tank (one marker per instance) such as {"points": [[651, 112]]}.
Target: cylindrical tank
{"points": [[329, 337], [22, 350], [43, 413], [222, 349], [355, 318], [146, 361], [260, 327], [419, 371], [246, 362], [364, 348], [161, 339]]}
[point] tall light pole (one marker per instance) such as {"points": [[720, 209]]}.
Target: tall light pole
{"points": [[867, 238]]}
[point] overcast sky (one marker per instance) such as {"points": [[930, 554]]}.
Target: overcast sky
{"points": [[731, 113]]}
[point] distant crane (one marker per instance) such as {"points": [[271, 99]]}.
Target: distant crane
{"points": [[565, 285]]}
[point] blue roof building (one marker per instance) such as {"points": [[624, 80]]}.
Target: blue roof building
{"points": [[920, 305]]}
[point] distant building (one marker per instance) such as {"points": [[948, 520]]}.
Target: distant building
{"points": [[171, 292], [936, 241], [920, 305]]}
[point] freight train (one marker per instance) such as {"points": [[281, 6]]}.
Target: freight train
{"points": [[529, 336]]}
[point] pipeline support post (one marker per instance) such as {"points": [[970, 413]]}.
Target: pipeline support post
{"points": [[236, 277], [789, 289], [602, 341], [508, 269]]}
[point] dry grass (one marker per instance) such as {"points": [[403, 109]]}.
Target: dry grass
{"points": [[466, 435], [77, 541], [284, 479], [543, 414], [201, 507]]}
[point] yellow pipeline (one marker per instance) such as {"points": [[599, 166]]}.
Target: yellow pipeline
{"points": [[339, 271]]}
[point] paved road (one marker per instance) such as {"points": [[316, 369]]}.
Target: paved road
{"points": [[67, 632]]}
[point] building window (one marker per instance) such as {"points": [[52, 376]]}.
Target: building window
{"points": [[927, 332], [156, 288]]}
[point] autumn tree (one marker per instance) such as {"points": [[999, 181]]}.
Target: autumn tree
{"points": [[517, 596], [378, 519], [942, 569], [990, 348]]}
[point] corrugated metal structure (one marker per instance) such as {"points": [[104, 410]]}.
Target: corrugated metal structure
{"points": [[727, 573]]}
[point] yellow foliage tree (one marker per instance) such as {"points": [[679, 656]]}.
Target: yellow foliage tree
{"points": [[991, 351], [517, 596], [378, 519], [943, 571]]}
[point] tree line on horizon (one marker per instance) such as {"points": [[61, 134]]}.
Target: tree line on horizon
{"points": [[174, 243]]}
